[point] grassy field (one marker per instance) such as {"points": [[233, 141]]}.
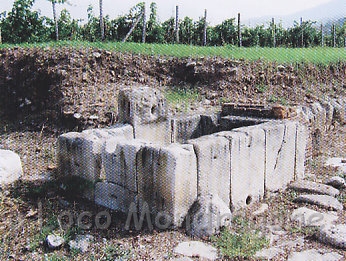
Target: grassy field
{"points": [[281, 55]]}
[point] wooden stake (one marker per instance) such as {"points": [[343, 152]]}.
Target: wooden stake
{"points": [[274, 32], [144, 29], [132, 28], [176, 24], [239, 32], [205, 28]]}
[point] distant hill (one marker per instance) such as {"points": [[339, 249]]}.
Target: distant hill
{"points": [[330, 12]]}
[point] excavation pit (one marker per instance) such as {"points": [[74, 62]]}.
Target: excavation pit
{"points": [[167, 163]]}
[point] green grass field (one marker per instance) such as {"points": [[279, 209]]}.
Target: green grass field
{"points": [[281, 55]]}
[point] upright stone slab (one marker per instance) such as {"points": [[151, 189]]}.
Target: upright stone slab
{"points": [[119, 161], [115, 197], [159, 133], [10, 167], [213, 158], [167, 180], [118, 130], [185, 128], [301, 144], [142, 106], [280, 154], [79, 154], [247, 152]]}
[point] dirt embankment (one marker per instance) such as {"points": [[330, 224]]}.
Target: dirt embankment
{"points": [[70, 86]]}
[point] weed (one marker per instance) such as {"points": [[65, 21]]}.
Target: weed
{"points": [[182, 98], [273, 99], [261, 88], [112, 252], [243, 242]]}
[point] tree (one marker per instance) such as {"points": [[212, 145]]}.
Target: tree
{"points": [[23, 25], [54, 2]]}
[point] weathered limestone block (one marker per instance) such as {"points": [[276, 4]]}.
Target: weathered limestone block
{"points": [[118, 130], [119, 161], [167, 180], [79, 154], [280, 154], [114, 196], [10, 167], [214, 159], [186, 128], [301, 140], [142, 105], [159, 133], [247, 152]]}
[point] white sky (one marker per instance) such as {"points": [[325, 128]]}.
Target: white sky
{"points": [[218, 10]]}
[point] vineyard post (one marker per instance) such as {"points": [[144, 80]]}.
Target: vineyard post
{"points": [[132, 28], [334, 35], [302, 29], [0, 36], [239, 32], [322, 36], [177, 24], [205, 28], [144, 29], [274, 32], [102, 27]]}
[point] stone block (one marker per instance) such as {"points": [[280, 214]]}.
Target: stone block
{"points": [[302, 136], [141, 105], [119, 161], [167, 180], [247, 152], [159, 133], [10, 167], [118, 130], [186, 128], [280, 154], [79, 154], [213, 157], [114, 197]]}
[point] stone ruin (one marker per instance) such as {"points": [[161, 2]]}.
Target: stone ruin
{"points": [[192, 169]]}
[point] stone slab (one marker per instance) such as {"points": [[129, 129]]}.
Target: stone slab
{"points": [[324, 201], [307, 217], [159, 133], [10, 167], [280, 149], [119, 161], [185, 128], [196, 249], [167, 179], [213, 158], [118, 130], [336, 182], [338, 163], [314, 187], [334, 235], [114, 197], [247, 152], [79, 154], [302, 136], [314, 255]]}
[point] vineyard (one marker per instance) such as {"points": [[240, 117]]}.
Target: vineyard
{"points": [[23, 25]]}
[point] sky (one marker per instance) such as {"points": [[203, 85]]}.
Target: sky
{"points": [[218, 10]]}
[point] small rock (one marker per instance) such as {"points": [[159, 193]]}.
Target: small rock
{"points": [[196, 249], [308, 217], [262, 209], [10, 167], [338, 163], [314, 187], [281, 68], [77, 115], [269, 253], [81, 243], [314, 255], [336, 182], [334, 235], [54, 241], [206, 102], [207, 216], [93, 117], [182, 259], [191, 64], [324, 201], [96, 55]]}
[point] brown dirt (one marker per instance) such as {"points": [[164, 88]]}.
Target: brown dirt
{"points": [[42, 89]]}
